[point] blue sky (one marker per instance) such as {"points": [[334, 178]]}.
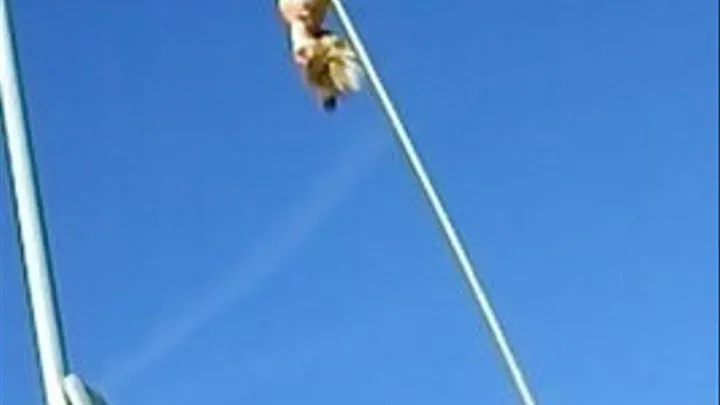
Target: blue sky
{"points": [[216, 237]]}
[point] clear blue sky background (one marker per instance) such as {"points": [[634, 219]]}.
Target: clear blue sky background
{"points": [[218, 239]]}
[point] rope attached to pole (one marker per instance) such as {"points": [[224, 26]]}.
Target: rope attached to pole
{"points": [[441, 214]]}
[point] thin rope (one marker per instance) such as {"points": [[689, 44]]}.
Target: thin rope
{"points": [[441, 214]]}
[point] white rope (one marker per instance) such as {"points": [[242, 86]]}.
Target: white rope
{"points": [[440, 212]]}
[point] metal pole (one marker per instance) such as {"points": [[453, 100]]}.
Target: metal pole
{"points": [[29, 219], [81, 394], [441, 214]]}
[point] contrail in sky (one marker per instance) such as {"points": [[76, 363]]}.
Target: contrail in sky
{"points": [[259, 262]]}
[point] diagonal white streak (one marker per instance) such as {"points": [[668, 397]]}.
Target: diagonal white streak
{"points": [[32, 236], [263, 260], [439, 210]]}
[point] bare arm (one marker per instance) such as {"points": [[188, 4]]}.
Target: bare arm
{"points": [[311, 13]]}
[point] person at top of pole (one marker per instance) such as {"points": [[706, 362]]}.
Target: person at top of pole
{"points": [[311, 13], [326, 61]]}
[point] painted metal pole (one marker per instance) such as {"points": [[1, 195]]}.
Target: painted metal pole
{"points": [[439, 210], [29, 218]]}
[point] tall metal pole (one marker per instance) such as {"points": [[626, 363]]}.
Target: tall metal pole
{"points": [[439, 210], [29, 219]]}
